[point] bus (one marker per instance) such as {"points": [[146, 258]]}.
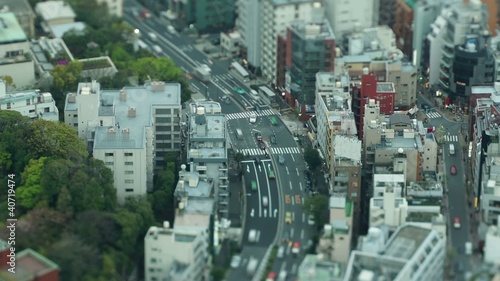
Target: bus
{"points": [[273, 120], [270, 173], [240, 70]]}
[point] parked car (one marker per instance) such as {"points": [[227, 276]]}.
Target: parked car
{"points": [[265, 201]]}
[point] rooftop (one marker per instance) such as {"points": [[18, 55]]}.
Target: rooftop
{"points": [[385, 87], [288, 2], [347, 148], [30, 265], [18, 6], [399, 119], [317, 30], [60, 29], [10, 29], [314, 268], [51, 10]]}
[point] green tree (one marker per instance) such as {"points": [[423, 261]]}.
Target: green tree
{"points": [[47, 138], [318, 207], [55, 176], [101, 233], [162, 69], [140, 206], [440, 134], [39, 228], [64, 201], [312, 158], [129, 229], [13, 147], [30, 193], [238, 157], [9, 82]]}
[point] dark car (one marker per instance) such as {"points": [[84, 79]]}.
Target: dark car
{"points": [[258, 137], [262, 145], [273, 139]]}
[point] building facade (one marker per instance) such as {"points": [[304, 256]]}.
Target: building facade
{"points": [[130, 130], [206, 16], [403, 27], [24, 14], [310, 48], [344, 15]]}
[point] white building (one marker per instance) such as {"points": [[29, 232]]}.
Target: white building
{"points": [[381, 181], [115, 7], [276, 15], [412, 253], [33, 103], [435, 38], [344, 15], [491, 253], [248, 24], [54, 13], [128, 129], [15, 59], [175, 254], [490, 185], [390, 210], [230, 43]]}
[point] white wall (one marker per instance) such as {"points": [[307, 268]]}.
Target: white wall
{"points": [[23, 73], [439, 30], [345, 14], [88, 111]]}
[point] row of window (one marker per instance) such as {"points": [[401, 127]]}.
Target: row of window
{"points": [[111, 154], [167, 111], [127, 163]]}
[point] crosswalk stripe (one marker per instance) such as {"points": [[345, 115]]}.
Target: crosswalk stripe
{"points": [[453, 138], [273, 150], [433, 115]]}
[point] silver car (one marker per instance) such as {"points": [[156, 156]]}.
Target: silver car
{"points": [[281, 159]]}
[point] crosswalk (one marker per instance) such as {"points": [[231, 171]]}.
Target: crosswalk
{"points": [[433, 114], [246, 114], [273, 150], [451, 138]]}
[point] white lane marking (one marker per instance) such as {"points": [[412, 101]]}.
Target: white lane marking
{"points": [[292, 231], [302, 234], [290, 185], [300, 184], [297, 169], [287, 172]]}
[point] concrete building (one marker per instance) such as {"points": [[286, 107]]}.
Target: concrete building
{"points": [[333, 111], [175, 254], [115, 7], [492, 239], [432, 49], [206, 16], [317, 268], [390, 210], [47, 52], [249, 25], [412, 253], [15, 59], [129, 129], [206, 148], [97, 68], [230, 43], [381, 181], [54, 13], [403, 27], [495, 51], [309, 49], [24, 14], [376, 42], [337, 234], [33, 103], [29, 265], [275, 17], [369, 91], [344, 15], [490, 187]]}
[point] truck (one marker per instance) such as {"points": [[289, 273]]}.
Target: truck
{"points": [[203, 73], [452, 149], [252, 266], [468, 248]]}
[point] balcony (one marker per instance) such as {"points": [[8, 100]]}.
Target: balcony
{"points": [[445, 82], [448, 52], [446, 61], [444, 71], [447, 42]]}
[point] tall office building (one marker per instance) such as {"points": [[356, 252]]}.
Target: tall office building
{"points": [[344, 15], [204, 15], [129, 129], [248, 24], [309, 49]]}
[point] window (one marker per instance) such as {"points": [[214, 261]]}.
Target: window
{"points": [[163, 120], [129, 163], [47, 109], [163, 145], [32, 111], [129, 181], [129, 154], [75, 115], [129, 172], [176, 111], [108, 154], [132, 190], [163, 137], [28, 102], [75, 124], [108, 163], [100, 123], [8, 105], [163, 128], [163, 111]]}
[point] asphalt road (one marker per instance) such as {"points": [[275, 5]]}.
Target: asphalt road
{"points": [[456, 190]]}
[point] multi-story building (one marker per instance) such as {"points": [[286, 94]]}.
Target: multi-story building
{"points": [[431, 52], [204, 15], [15, 59], [276, 15], [490, 185], [473, 64], [390, 209], [230, 43], [317, 268], [248, 24], [403, 26], [29, 265], [54, 13], [48, 52], [130, 129], [412, 253], [492, 238], [310, 48], [369, 89], [24, 14], [175, 254], [207, 148], [343, 15], [495, 50], [33, 103], [115, 7]]}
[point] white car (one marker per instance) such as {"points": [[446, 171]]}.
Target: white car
{"points": [[282, 275], [281, 252], [252, 118], [310, 219], [235, 261], [265, 201]]}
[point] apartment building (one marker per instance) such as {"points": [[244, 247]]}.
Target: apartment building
{"points": [[32, 103], [115, 7], [29, 265], [333, 112], [274, 19], [230, 43], [431, 52], [24, 14], [411, 253], [337, 234], [175, 254], [249, 25], [344, 15], [490, 185], [403, 26], [492, 238], [206, 148], [388, 210], [308, 48], [15, 59], [130, 129], [371, 91]]}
